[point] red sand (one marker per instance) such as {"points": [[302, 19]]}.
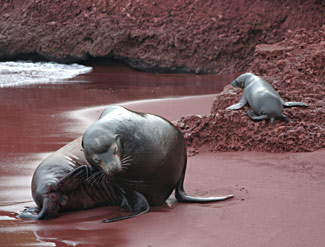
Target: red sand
{"points": [[279, 201]]}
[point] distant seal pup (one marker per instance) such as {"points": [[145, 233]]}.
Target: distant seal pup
{"points": [[127, 159], [265, 102]]}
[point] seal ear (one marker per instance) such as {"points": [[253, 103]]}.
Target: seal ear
{"points": [[118, 141]]}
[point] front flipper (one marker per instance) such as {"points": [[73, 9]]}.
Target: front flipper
{"points": [[74, 179], [132, 201], [181, 196], [294, 103], [239, 105]]}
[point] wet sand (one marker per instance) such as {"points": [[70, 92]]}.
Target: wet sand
{"points": [[278, 200]]}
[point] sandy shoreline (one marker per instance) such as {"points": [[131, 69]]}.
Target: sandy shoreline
{"points": [[173, 108], [278, 200]]}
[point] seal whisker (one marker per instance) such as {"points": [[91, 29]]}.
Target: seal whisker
{"points": [[127, 159], [95, 178], [103, 178], [124, 167], [90, 178], [99, 179], [106, 187]]}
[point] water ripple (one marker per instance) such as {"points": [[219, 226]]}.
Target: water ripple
{"points": [[24, 73]]}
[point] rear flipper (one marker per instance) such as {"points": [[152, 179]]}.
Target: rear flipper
{"points": [[255, 117], [57, 197], [294, 103], [50, 208], [133, 201], [181, 196]]}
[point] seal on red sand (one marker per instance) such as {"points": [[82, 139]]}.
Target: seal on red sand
{"points": [[130, 159], [265, 102]]}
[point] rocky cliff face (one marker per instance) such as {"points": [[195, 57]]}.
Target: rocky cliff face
{"points": [[200, 36]]}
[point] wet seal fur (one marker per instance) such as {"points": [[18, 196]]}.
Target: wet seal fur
{"points": [[264, 101], [129, 159]]}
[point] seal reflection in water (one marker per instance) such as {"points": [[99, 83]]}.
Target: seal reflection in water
{"points": [[129, 159], [264, 101]]}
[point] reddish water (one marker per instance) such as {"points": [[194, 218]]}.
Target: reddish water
{"points": [[36, 120]]}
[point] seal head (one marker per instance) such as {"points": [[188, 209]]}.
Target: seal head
{"points": [[242, 80], [103, 150]]}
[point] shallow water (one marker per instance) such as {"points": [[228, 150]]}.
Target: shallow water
{"points": [[31, 115], [25, 73], [35, 122]]}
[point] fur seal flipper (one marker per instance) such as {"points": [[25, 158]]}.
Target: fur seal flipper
{"points": [[264, 101], [133, 202], [294, 103], [181, 196]]}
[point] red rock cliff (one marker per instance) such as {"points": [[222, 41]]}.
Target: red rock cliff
{"points": [[183, 36]]}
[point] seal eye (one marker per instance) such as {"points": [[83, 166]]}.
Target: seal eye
{"points": [[97, 161]]}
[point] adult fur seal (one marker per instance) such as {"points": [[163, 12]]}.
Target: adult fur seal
{"points": [[133, 160], [265, 102]]}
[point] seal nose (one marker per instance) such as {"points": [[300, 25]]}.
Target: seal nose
{"points": [[111, 167]]}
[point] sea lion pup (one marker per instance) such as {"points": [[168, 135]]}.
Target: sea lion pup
{"points": [[145, 154], [129, 159], [59, 184], [265, 102]]}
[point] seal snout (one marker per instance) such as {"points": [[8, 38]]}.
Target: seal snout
{"points": [[111, 167], [238, 83], [109, 161]]}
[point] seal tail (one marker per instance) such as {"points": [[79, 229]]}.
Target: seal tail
{"points": [[183, 197]]}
